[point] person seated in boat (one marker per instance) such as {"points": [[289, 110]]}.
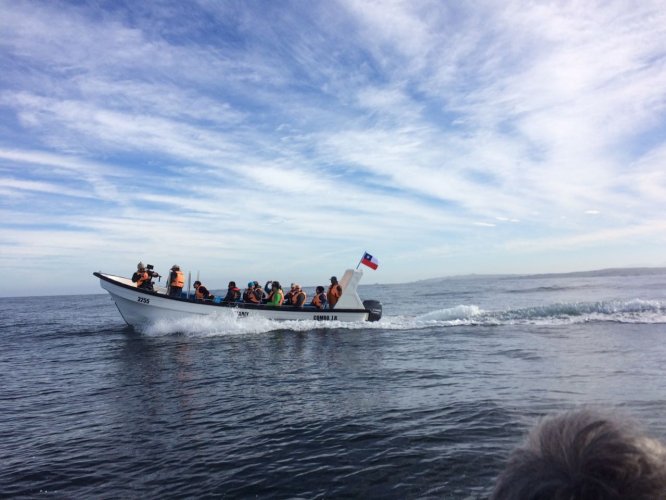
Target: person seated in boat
{"points": [[276, 297], [319, 300], [233, 293], [201, 292], [334, 292], [249, 297], [176, 281], [298, 296], [143, 276], [289, 294], [259, 293]]}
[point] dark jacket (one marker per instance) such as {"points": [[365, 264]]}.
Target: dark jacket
{"points": [[233, 294]]}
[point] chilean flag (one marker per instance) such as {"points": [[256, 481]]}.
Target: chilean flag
{"points": [[370, 261]]}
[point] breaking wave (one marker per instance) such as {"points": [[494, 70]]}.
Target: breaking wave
{"points": [[226, 323], [633, 311]]}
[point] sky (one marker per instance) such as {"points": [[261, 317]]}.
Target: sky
{"points": [[262, 140]]}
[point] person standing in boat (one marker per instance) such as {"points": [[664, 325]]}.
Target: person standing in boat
{"points": [[319, 300], [276, 297], [201, 292], [143, 276], [334, 292], [298, 296], [233, 293], [176, 281]]}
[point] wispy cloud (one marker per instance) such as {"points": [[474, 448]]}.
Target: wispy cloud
{"points": [[265, 139]]}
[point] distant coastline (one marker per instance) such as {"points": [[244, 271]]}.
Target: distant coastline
{"points": [[613, 271], [619, 271]]}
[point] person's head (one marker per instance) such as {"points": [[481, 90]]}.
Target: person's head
{"points": [[175, 267], [140, 266], [320, 289], [276, 285], [197, 284], [256, 283], [296, 287], [334, 280], [584, 455], [250, 284], [232, 284]]}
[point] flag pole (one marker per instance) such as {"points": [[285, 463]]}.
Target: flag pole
{"points": [[359, 262]]}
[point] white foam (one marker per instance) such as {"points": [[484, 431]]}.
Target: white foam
{"points": [[458, 313], [227, 323], [222, 323]]}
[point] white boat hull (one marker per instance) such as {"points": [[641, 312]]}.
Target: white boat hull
{"points": [[140, 307]]}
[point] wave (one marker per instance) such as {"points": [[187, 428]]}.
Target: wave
{"points": [[632, 311]]}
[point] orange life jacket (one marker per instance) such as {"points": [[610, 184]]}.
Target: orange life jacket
{"points": [[318, 300], [178, 279], [249, 296], [334, 292], [296, 295], [142, 279]]}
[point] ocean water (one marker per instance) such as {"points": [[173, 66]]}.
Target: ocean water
{"points": [[426, 403]]}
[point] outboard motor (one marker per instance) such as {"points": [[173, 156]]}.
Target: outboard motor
{"points": [[375, 308]]}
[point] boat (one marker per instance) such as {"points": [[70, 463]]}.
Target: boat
{"points": [[141, 307]]}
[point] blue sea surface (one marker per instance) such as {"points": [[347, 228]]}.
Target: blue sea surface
{"points": [[426, 403]]}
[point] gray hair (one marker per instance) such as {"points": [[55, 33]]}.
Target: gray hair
{"points": [[587, 455]]}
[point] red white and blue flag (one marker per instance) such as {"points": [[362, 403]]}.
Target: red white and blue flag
{"points": [[370, 261]]}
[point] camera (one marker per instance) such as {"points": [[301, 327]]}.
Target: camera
{"points": [[153, 274]]}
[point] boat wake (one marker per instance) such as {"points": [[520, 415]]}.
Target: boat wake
{"points": [[226, 323], [633, 311]]}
